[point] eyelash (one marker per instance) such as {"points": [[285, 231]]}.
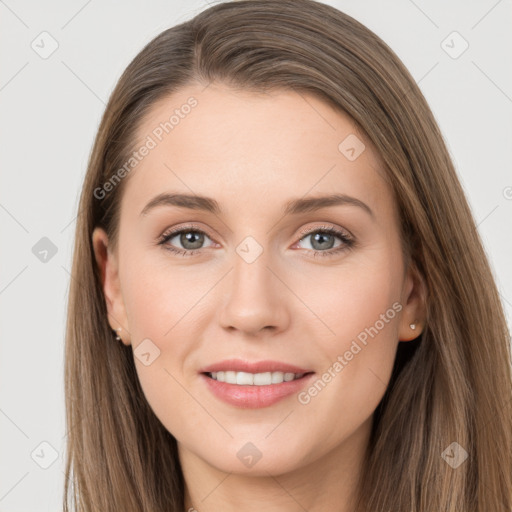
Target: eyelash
{"points": [[348, 242]]}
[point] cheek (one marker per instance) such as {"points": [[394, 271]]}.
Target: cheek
{"points": [[158, 296], [354, 297], [159, 305], [162, 305], [358, 337]]}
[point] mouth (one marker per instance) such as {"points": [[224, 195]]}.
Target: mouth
{"points": [[254, 385]]}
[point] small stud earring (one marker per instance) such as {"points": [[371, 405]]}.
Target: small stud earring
{"points": [[412, 326], [118, 330]]}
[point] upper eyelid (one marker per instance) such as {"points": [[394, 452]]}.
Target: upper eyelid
{"points": [[304, 231], [328, 228]]}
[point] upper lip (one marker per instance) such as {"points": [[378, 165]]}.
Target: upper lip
{"points": [[239, 365]]}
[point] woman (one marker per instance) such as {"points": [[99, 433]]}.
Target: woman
{"points": [[280, 299]]}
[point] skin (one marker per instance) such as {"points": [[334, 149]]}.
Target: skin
{"points": [[253, 152]]}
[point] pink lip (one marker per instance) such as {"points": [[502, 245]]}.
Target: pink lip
{"points": [[238, 365], [253, 397]]}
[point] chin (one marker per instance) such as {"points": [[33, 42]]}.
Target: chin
{"points": [[257, 458]]}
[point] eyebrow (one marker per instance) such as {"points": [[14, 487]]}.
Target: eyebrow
{"points": [[293, 207]]}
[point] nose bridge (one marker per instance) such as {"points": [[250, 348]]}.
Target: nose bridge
{"points": [[250, 270], [252, 300]]}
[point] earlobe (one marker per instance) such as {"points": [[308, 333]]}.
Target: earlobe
{"points": [[414, 312], [108, 268], [414, 330]]}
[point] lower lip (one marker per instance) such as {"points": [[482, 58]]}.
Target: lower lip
{"points": [[254, 397]]}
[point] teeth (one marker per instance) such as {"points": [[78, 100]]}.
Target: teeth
{"points": [[254, 379]]}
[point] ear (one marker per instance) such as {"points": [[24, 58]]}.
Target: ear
{"points": [[414, 305], [109, 271]]}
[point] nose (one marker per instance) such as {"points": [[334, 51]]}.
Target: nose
{"points": [[254, 298]]}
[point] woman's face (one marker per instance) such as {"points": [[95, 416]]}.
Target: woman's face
{"points": [[256, 278]]}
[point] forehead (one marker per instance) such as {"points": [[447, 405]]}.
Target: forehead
{"points": [[262, 147]]}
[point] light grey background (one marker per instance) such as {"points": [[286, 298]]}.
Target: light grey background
{"points": [[50, 110]]}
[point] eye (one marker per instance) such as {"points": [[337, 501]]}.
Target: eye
{"points": [[322, 241], [190, 238]]}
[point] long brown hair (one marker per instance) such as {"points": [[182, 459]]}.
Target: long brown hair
{"points": [[454, 387]]}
